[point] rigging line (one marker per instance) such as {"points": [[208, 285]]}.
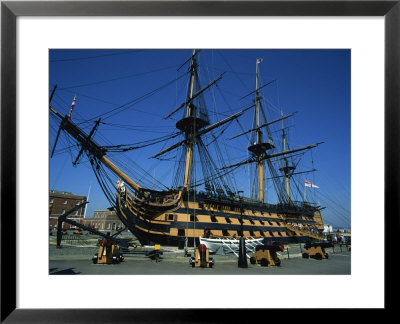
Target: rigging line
{"points": [[337, 217], [334, 202], [210, 166], [67, 107], [134, 101], [233, 71], [96, 56], [212, 92], [336, 214], [218, 174], [136, 126], [148, 143], [90, 97], [138, 172], [230, 109], [326, 198], [116, 79], [63, 101], [101, 182], [333, 215]]}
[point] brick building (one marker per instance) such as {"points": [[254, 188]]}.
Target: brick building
{"points": [[104, 220], [62, 201]]}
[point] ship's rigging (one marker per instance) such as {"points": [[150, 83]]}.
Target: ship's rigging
{"points": [[198, 135], [203, 179]]}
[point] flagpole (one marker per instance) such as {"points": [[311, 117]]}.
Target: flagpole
{"points": [[84, 215]]}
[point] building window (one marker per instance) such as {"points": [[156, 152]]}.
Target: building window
{"points": [[63, 212], [181, 232], [65, 201], [51, 201], [77, 213], [77, 203]]}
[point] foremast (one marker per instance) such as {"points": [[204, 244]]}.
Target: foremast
{"points": [[97, 152]]}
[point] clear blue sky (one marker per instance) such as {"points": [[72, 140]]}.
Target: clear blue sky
{"points": [[313, 83]]}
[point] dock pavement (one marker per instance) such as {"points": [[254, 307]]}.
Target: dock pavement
{"points": [[75, 258]]}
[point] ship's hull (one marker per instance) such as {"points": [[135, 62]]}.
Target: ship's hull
{"points": [[212, 217]]}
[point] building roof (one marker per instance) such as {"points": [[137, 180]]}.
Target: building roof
{"points": [[64, 194]]}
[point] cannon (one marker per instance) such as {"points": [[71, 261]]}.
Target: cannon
{"points": [[316, 250], [265, 255], [109, 253], [155, 254], [202, 258]]}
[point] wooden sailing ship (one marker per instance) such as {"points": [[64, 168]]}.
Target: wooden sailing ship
{"points": [[182, 214]]}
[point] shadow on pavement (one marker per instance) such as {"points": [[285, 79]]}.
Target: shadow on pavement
{"points": [[69, 271]]}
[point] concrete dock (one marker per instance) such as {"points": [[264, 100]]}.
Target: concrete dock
{"points": [[75, 259]]}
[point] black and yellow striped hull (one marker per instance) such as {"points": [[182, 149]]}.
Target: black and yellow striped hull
{"points": [[212, 217]]}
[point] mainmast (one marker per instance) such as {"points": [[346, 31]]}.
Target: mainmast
{"points": [[259, 141], [190, 123], [259, 148]]}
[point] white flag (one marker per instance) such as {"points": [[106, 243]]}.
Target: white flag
{"points": [[309, 184]]}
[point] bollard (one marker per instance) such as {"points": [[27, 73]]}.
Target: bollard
{"points": [[287, 249], [242, 262]]}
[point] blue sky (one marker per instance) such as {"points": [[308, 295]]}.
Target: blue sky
{"points": [[313, 83]]}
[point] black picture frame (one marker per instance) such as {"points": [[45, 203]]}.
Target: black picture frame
{"points": [[10, 10]]}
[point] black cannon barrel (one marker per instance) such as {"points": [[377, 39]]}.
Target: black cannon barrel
{"points": [[274, 247], [321, 244]]}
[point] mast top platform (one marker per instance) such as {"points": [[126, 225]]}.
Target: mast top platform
{"points": [[260, 148], [187, 124]]}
